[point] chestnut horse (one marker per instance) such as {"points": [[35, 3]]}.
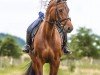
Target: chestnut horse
{"points": [[47, 42]]}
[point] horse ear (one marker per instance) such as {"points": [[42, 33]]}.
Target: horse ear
{"points": [[64, 0], [59, 1]]}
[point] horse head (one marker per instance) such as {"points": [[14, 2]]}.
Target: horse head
{"points": [[58, 13]]}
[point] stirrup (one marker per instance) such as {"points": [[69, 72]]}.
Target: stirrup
{"points": [[66, 51], [26, 48]]}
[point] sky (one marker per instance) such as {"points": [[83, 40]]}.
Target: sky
{"points": [[17, 15]]}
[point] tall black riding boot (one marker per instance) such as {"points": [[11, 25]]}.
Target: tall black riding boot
{"points": [[65, 46], [28, 43]]}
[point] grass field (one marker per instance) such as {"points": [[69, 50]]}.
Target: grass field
{"points": [[77, 67]]}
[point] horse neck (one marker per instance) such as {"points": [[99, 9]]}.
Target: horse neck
{"points": [[49, 30]]}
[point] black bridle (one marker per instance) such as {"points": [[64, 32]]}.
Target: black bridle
{"points": [[59, 21]]}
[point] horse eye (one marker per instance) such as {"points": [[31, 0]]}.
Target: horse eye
{"points": [[61, 10]]}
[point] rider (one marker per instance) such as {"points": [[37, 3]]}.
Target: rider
{"points": [[36, 24]]}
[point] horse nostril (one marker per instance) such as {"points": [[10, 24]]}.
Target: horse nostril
{"points": [[69, 29]]}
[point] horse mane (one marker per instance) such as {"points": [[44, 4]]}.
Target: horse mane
{"points": [[51, 3]]}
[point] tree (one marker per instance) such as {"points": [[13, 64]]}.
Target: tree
{"points": [[10, 48], [85, 43], [0, 43]]}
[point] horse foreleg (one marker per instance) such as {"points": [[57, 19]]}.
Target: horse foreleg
{"points": [[37, 67], [40, 67], [54, 66]]}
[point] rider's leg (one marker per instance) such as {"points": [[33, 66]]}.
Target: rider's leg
{"points": [[28, 43], [65, 46], [29, 34], [30, 31]]}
